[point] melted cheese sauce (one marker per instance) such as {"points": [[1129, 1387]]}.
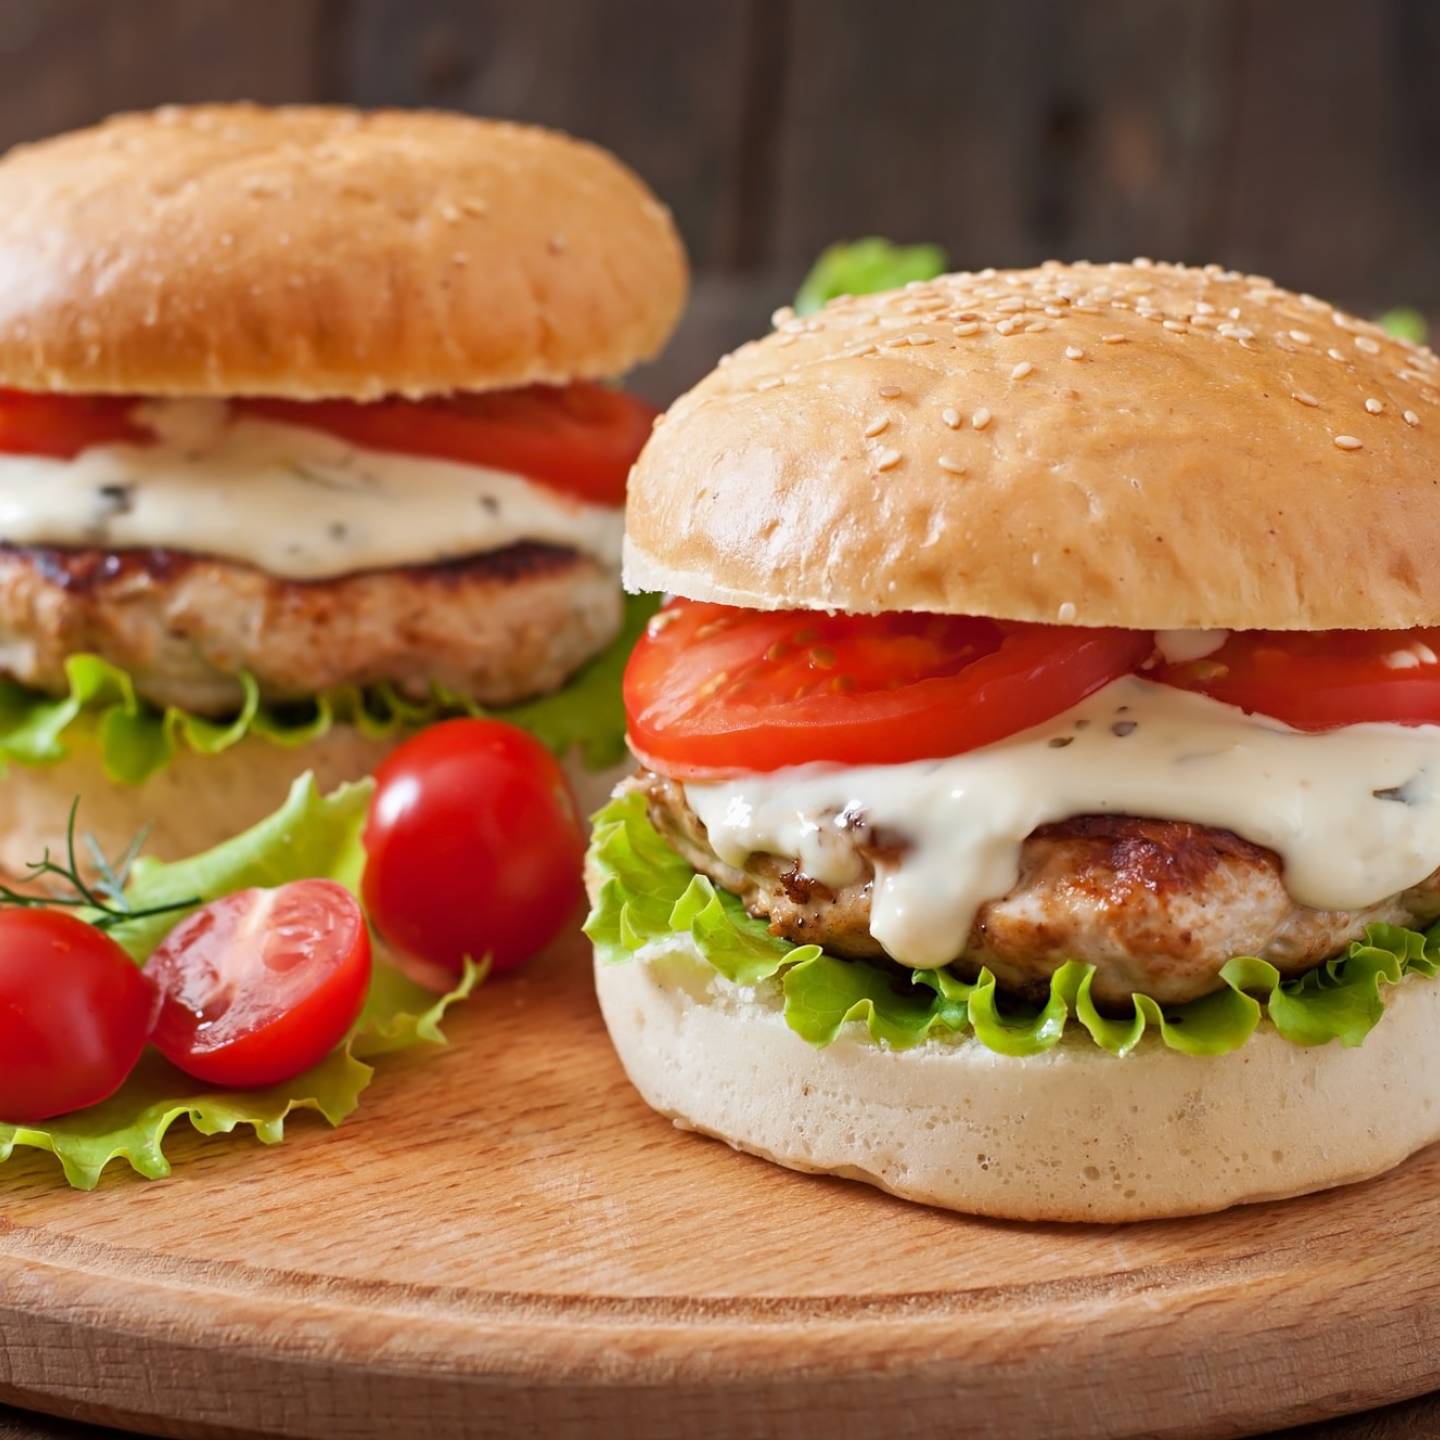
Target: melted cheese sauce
{"points": [[1353, 813], [295, 502]]}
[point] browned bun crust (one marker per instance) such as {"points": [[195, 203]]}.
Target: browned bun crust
{"points": [[312, 252], [1142, 445]]}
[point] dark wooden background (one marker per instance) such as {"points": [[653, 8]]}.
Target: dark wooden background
{"points": [[1300, 138]]}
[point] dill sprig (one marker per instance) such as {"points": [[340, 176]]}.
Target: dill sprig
{"points": [[106, 897]]}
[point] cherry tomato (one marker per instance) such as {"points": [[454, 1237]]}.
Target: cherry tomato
{"points": [[712, 690], [75, 1012], [262, 984], [474, 847], [63, 425], [579, 438], [1320, 679]]}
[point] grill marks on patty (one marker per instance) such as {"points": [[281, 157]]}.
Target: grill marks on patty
{"points": [[1158, 906], [498, 627]]}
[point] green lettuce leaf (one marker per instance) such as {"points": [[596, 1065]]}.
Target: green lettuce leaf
{"points": [[311, 834], [136, 739], [1405, 323], [861, 267], [648, 893]]}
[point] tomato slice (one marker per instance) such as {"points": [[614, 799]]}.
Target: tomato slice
{"points": [[1321, 679], [580, 439], [63, 425], [75, 1012], [712, 690], [262, 984]]}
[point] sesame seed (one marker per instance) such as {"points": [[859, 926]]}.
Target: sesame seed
{"points": [[878, 426], [896, 342], [920, 338], [980, 419], [953, 467], [951, 417], [889, 392], [1374, 406], [1036, 326], [785, 341], [1177, 326], [1066, 613], [1304, 397], [1299, 337], [1365, 343], [1007, 327], [783, 314], [861, 351], [1023, 369], [968, 327], [1411, 418], [1010, 306], [1114, 338], [1346, 442], [1335, 354], [1074, 352], [888, 459], [770, 382]]}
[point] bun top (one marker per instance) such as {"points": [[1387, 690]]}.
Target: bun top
{"points": [[315, 252], [1142, 445]]}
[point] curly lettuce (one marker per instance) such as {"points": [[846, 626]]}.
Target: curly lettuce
{"points": [[649, 894], [862, 267], [311, 834], [136, 739]]}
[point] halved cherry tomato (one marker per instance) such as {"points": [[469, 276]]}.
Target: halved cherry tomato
{"points": [[712, 690], [75, 1012], [474, 848], [262, 984], [63, 425], [580, 438], [1320, 679]]}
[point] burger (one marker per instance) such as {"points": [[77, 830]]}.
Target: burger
{"points": [[1039, 802], [306, 440]]}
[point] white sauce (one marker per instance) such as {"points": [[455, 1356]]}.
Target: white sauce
{"points": [[1353, 813], [293, 501]]}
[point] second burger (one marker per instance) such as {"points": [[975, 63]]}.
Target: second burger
{"points": [[301, 446]]}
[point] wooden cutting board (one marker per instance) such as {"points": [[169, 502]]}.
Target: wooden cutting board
{"points": [[505, 1241]]}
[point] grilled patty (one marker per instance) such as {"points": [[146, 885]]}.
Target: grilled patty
{"points": [[1157, 906], [497, 627]]}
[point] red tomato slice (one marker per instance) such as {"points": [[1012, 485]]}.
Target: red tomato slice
{"points": [[473, 847], [712, 690], [75, 1012], [262, 984], [580, 439], [1321, 679], [63, 425]]}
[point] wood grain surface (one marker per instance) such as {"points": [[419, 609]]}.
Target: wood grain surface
{"points": [[505, 1241]]}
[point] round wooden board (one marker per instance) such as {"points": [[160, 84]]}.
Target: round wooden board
{"points": [[505, 1241]]}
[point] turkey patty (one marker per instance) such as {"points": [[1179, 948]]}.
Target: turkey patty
{"points": [[1157, 906], [497, 627]]}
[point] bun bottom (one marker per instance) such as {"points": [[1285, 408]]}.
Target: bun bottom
{"points": [[1073, 1134], [196, 801]]}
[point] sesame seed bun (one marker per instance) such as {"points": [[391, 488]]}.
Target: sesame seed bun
{"points": [[1142, 445], [1071, 1134], [316, 252]]}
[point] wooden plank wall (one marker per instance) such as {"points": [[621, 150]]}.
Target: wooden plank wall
{"points": [[1296, 137]]}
